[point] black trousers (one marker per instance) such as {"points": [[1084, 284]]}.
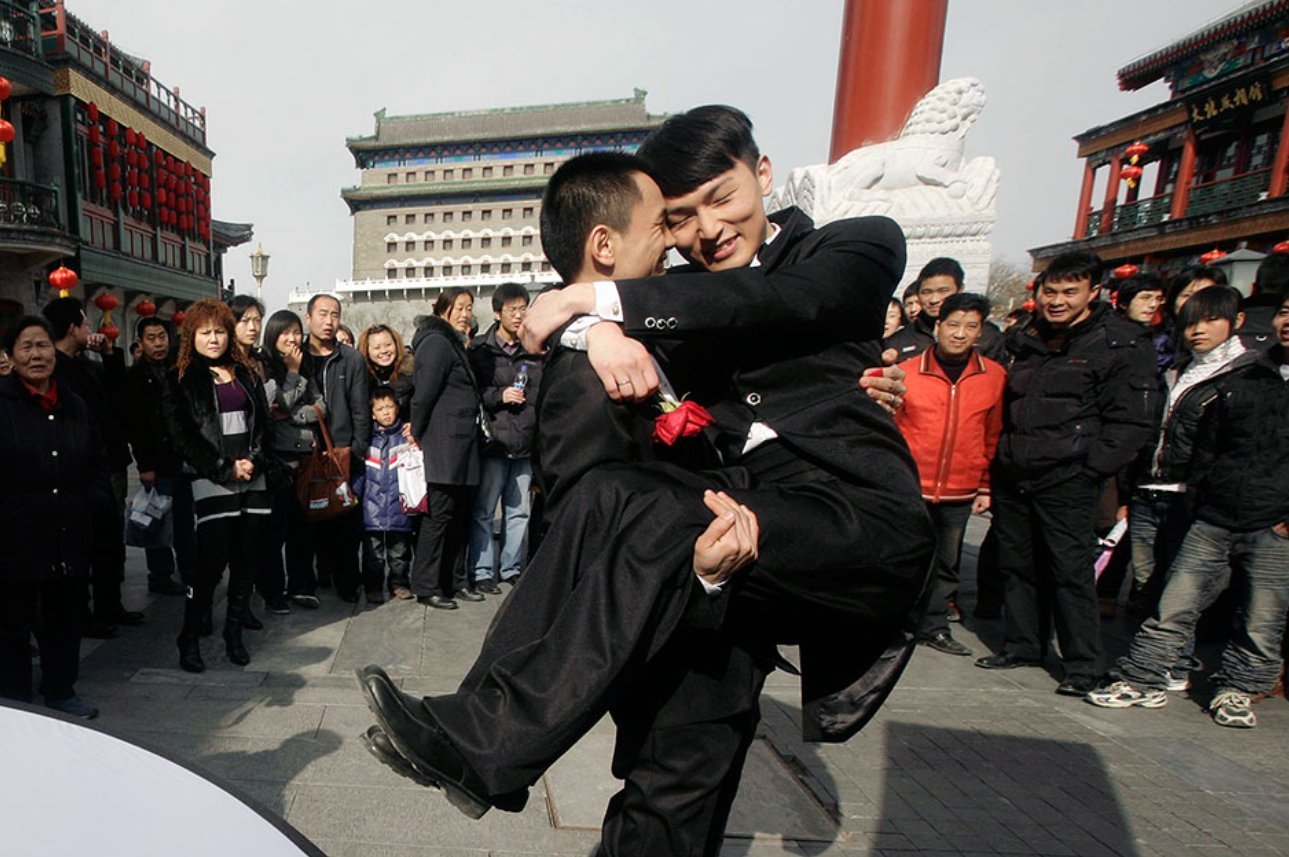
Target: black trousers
{"points": [[284, 562], [950, 522], [52, 611], [1046, 545], [182, 555], [613, 581], [335, 545], [387, 560], [438, 566], [233, 543], [107, 562]]}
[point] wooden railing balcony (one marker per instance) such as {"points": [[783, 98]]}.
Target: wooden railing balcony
{"points": [[1224, 194], [1142, 212], [27, 205], [65, 35], [20, 28]]}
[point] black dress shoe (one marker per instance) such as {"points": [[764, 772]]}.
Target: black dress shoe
{"points": [[348, 597], [1005, 661], [169, 586], [438, 602], [379, 745], [487, 587], [943, 641], [468, 595], [121, 616], [100, 631], [1078, 685], [420, 741]]}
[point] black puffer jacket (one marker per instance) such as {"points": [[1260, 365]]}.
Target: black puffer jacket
{"points": [[192, 418], [154, 450], [510, 426], [1089, 406], [1240, 469], [55, 485]]}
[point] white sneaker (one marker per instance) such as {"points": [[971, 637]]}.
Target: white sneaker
{"points": [[1178, 681], [1233, 708], [1120, 694]]}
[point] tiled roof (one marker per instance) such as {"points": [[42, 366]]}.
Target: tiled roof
{"points": [[1146, 70], [509, 122]]}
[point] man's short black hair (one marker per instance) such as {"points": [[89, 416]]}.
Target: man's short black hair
{"points": [[942, 266], [1129, 287], [308, 309], [63, 314], [507, 292], [241, 303], [1215, 302], [1189, 275], [692, 148], [1072, 267], [1273, 276], [586, 191], [12, 334], [911, 290], [149, 321], [965, 302]]}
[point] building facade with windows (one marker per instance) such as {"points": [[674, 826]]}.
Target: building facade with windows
{"points": [[1212, 167], [108, 173], [449, 199]]}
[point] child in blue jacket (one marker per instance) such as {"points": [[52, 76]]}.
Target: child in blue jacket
{"points": [[387, 540]]}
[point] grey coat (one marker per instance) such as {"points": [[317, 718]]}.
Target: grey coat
{"points": [[295, 406]]}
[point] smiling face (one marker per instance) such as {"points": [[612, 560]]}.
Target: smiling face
{"points": [[33, 357], [381, 350], [1066, 302], [721, 224], [957, 334], [641, 249], [289, 339]]}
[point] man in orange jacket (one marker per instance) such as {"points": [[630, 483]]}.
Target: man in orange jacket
{"points": [[952, 416]]}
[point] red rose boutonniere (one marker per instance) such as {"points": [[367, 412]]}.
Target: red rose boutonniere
{"points": [[679, 419]]}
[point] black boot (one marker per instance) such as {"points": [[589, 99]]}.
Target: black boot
{"points": [[233, 642], [247, 618], [207, 623], [189, 642]]}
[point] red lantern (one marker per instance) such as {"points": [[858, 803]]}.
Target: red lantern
{"points": [[115, 192], [1029, 305], [93, 134], [130, 137], [144, 181], [132, 178], [96, 157], [1130, 174], [140, 140], [6, 131], [1135, 151], [132, 197], [112, 128], [64, 279], [113, 150], [161, 196], [106, 301], [1126, 270], [1282, 247], [114, 171], [111, 331], [177, 318], [6, 89], [1211, 256], [91, 110], [145, 199], [1030, 285], [159, 157], [145, 308], [100, 179]]}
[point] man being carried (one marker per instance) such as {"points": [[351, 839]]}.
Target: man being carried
{"points": [[772, 337]]}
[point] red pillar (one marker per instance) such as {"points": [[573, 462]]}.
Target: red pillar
{"points": [[1185, 175], [1281, 168], [1085, 199], [890, 58], [1111, 195]]}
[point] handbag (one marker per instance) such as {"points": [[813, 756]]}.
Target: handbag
{"points": [[149, 520], [322, 483]]}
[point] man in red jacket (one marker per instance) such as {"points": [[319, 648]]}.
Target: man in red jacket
{"points": [[952, 416]]}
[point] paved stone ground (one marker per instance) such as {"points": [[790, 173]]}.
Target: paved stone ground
{"points": [[960, 760]]}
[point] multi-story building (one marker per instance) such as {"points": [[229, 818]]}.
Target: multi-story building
{"points": [[454, 199], [1205, 170], [108, 173]]}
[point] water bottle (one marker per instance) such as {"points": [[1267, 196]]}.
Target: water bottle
{"points": [[521, 377]]}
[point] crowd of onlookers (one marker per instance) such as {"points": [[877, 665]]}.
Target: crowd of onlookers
{"points": [[1162, 404], [1159, 407], [224, 417]]}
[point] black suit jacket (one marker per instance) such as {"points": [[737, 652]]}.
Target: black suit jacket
{"points": [[445, 406]]}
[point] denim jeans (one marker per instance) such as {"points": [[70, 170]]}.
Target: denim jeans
{"points": [[507, 480], [1159, 521], [1251, 660]]}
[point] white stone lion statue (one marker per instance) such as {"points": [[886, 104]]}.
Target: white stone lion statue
{"points": [[920, 174]]}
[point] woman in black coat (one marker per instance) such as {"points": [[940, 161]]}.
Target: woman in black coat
{"points": [[218, 416], [55, 484], [445, 422]]}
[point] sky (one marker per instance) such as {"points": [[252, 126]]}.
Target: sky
{"points": [[284, 82]]}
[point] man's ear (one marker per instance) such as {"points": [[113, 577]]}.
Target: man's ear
{"points": [[1239, 321], [600, 251], [765, 175]]}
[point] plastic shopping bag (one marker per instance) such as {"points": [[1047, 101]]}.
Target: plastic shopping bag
{"points": [[411, 480], [149, 520]]}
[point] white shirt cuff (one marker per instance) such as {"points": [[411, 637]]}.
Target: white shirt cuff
{"points": [[608, 306], [574, 335], [710, 588]]}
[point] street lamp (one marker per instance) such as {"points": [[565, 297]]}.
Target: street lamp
{"points": [[259, 270]]}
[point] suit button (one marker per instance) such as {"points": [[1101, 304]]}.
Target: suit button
{"points": [[651, 322], [51, 417], [55, 490], [753, 399], [54, 453], [671, 323]]}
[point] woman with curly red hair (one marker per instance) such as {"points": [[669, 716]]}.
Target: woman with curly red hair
{"points": [[219, 419]]}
